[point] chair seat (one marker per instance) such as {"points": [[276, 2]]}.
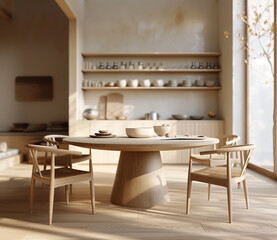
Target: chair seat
{"points": [[218, 172], [63, 173], [216, 175]]}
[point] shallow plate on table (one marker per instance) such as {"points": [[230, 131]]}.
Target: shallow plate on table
{"points": [[103, 136]]}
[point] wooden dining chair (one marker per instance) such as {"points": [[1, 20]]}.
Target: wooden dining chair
{"points": [[58, 176], [223, 176], [216, 159]]}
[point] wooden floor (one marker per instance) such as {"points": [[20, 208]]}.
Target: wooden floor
{"points": [[207, 220]]}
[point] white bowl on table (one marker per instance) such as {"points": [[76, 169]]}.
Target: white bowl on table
{"points": [[140, 132], [162, 130]]}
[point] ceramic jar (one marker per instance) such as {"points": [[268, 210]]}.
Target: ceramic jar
{"points": [[152, 116]]}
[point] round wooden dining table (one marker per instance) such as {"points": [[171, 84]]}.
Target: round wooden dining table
{"points": [[140, 181]]}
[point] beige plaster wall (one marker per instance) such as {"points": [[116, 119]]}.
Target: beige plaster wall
{"points": [[226, 76], [232, 100], [150, 26], [239, 74], [76, 48], [34, 43]]}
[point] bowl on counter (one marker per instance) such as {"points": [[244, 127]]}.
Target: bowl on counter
{"points": [[36, 127], [162, 130], [179, 117], [196, 117], [140, 132], [21, 125]]}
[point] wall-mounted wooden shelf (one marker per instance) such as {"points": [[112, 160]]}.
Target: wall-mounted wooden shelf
{"points": [[150, 88], [153, 54], [151, 71]]}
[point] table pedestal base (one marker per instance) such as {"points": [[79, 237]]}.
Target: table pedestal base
{"points": [[140, 180]]}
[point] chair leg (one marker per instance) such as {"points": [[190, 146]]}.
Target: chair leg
{"points": [[67, 193], [209, 185], [245, 194], [70, 166], [209, 191], [92, 196], [51, 203], [188, 195], [33, 182], [229, 197], [44, 168]]}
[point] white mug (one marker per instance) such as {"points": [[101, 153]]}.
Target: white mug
{"points": [[159, 83], [133, 83], [121, 83], [145, 83]]}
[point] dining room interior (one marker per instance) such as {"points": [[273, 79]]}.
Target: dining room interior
{"points": [[155, 119]]}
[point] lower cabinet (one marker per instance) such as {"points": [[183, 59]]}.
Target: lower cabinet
{"points": [[210, 128]]}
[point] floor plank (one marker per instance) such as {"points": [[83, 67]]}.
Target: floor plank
{"points": [[207, 219]]}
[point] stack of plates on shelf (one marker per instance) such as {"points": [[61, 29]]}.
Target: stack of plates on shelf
{"points": [[103, 134]]}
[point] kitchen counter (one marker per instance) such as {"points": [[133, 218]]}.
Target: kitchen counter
{"points": [[39, 133]]}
